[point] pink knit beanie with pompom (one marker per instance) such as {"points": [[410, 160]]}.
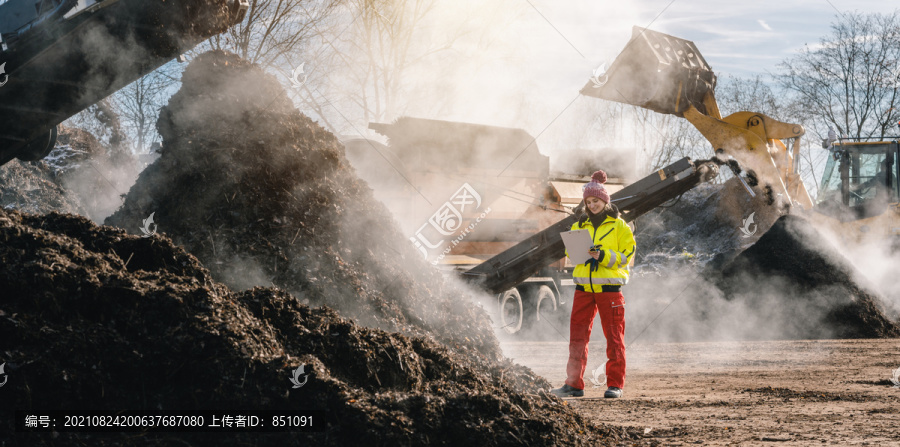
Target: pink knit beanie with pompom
{"points": [[595, 187]]}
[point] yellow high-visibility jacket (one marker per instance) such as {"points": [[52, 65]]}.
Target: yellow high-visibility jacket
{"points": [[618, 246]]}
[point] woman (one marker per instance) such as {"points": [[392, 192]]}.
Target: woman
{"points": [[598, 288]]}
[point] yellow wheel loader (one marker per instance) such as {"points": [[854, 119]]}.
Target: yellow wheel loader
{"points": [[859, 192]]}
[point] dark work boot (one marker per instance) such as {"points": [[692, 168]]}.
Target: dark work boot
{"points": [[613, 392], [567, 391]]}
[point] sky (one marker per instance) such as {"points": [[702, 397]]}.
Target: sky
{"points": [[521, 63], [739, 38], [745, 38], [544, 49]]}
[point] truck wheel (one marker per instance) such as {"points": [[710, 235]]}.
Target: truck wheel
{"points": [[544, 303], [511, 311]]}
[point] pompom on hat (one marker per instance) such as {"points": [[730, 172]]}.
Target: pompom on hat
{"points": [[595, 187]]}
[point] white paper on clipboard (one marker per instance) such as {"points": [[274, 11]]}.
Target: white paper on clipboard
{"points": [[578, 242]]}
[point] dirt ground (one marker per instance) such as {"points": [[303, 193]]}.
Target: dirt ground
{"points": [[818, 392]]}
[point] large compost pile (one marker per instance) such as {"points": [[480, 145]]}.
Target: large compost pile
{"points": [[263, 195], [818, 291], [93, 318]]}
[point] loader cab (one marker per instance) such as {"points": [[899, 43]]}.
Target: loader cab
{"points": [[860, 179]]}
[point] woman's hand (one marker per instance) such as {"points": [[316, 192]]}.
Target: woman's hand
{"points": [[597, 253]]}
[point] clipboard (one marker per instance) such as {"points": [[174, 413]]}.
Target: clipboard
{"points": [[578, 242]]}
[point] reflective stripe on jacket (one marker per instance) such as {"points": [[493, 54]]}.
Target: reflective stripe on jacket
{"points": [[617, 242]]}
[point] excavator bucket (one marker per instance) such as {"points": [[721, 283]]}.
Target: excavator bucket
{"points": [[659, 72]]}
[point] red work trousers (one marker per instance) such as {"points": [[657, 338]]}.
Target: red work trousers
{"points": [[585, 306]]}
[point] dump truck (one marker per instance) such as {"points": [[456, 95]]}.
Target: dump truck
{"points": [[481, 203], [58, 57], [859, 194], [464, 192]]}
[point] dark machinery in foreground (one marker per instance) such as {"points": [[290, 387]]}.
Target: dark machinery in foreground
{"points": [[57, 57]]}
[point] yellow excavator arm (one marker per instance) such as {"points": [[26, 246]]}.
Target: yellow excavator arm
{"points": [[754, 139], [668, 75]]}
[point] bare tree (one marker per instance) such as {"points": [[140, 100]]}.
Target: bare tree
{"points": [[848, 82], [736, 94], [102, 121], [138, 104], [274, 32], [851, 79], [362, 66], [385, 39], [652, 139]]}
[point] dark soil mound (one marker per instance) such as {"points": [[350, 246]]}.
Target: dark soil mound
{"points": [[815, 285], [263, 195], [703, 225], [684, 231], [92, 318]]}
